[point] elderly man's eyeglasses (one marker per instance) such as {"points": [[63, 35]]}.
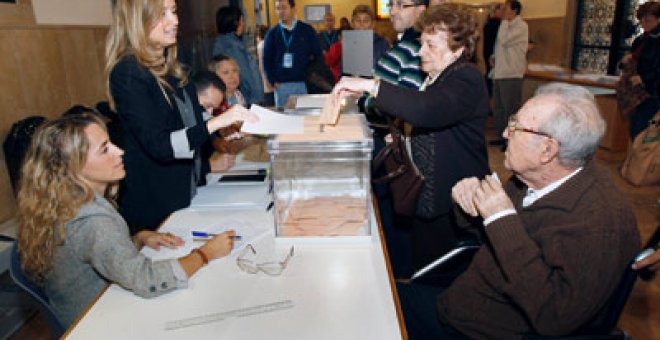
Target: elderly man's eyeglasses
{"points": [[401, 6], [513, 127], [270, 268]]}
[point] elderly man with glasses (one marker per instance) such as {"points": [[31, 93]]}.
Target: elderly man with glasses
{"points": [[559, 233]]}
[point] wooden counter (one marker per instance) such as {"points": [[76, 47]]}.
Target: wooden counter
{"points": [[616, 134]]}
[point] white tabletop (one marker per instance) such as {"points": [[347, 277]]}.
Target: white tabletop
{"points": [[338, 291]]}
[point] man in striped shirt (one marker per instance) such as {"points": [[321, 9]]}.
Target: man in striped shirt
{"points": [[401, 64]]}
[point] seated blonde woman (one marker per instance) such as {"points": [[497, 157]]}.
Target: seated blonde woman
{"points": [[71, 239]]}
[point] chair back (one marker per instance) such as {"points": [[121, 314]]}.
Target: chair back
{"points": [[16, 144], [618, 300], [37, 294]]}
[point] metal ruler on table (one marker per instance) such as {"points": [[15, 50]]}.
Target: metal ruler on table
{"points": [[241, 312]]}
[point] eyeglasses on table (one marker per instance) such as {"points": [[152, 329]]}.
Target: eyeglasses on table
{"points": [[270, 268]]}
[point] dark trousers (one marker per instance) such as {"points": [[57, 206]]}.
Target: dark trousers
{"points": [[507, 94], [420, 312], [432, 238]]}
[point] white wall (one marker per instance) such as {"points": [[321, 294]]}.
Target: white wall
{"points": [[73, 12], [533, 8]]}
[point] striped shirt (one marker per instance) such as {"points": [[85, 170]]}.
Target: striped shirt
{"points": [[400, 66]]}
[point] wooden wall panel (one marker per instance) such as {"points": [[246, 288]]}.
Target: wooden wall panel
{"points": [[43, 79], [45, 70], [80, 56], [16, 14], [549, 37]]}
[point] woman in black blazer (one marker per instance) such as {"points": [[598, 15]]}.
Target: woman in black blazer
{"points": [[159, 112]]}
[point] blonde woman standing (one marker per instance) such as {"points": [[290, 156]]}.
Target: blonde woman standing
{"points": [[159, 112]]}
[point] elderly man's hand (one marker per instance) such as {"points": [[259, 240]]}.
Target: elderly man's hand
{"points": [[463, 192], [490, 198]]}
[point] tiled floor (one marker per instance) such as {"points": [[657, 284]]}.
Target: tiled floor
{"points": [[641, 317]]}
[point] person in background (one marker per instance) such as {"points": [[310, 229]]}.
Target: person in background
{"points": [[231, 25], [560, 234], [509, 64], [329, 35], [344, 24], [448, 118], [228, 70], [159, 113], [269, 99], [71, 239], [333, 58], [491, 27], [645, 54], [210, 91], [211, 94], [362, 19], [288, 49]]}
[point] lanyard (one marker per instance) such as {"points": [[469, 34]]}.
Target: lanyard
{"points": [[287, 42], [329, 39], [232, 102]]}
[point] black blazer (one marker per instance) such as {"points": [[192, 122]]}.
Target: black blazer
{"points": [[156, 182]]}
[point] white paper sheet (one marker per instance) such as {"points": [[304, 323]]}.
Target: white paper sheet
{"points": [[249, 234], [273, 123]]}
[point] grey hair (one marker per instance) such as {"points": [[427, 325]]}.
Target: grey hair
{"points": [[575, 122]]}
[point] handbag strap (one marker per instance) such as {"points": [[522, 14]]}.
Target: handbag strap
{"points": [[397, 143]]}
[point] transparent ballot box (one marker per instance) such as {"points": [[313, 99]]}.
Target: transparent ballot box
{"points": [[321, 179]]}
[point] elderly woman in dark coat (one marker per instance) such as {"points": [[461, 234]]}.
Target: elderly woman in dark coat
{"points": [[448, 117]]}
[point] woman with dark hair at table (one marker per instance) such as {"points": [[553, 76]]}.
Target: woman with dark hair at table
{"points": [[159, 113], [71, 240], [448, 116], [231, 25]]}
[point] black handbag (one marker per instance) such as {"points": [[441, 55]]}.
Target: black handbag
{"points": [[404, 179]]}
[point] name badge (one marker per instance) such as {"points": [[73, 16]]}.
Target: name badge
{"points": [[287, 60]]}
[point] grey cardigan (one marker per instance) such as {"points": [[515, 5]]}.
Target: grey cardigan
{"points": [[98, 250]]}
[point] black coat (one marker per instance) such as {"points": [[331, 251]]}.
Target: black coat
{"points": [[156, 183], [453, 113], [648, 65]]}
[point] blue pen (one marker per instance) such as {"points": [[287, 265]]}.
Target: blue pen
{"points": [[203, 234]]}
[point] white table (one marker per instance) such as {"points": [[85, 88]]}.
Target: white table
{"points": [[339, 291]]}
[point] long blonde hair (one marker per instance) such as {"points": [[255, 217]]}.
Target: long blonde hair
{"points": [[51, 189], [132, 20]]}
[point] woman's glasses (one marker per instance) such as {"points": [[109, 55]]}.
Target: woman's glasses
{"points": [[270, 268]]}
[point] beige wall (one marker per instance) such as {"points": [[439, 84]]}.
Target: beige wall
{"points": [[533, 8], [340, 8], [43, 71]]}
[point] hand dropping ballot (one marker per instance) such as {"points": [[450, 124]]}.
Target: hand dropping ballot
{"points": [[273, 123]]}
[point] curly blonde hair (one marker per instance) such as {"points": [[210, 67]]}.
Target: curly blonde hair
{"points": [[457, 20], [51, 189], [132, 20]]}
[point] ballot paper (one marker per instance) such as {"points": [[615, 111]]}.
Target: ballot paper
{"points": [[330, 111], [272, 123]]}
